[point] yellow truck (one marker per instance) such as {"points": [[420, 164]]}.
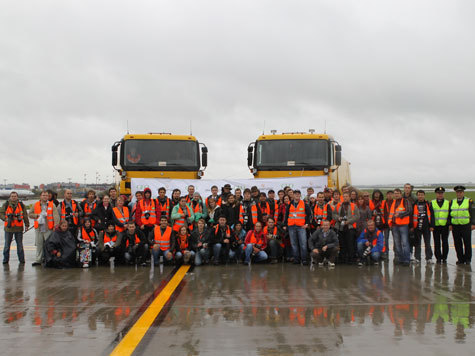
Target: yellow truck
{"points": [[157, 155], [298, 154]]}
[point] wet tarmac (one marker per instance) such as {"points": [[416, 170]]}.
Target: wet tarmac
{"points": [[237, 310]]}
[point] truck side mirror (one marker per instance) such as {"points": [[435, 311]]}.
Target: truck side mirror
{"points": [[249, 156], [114, 156], [338, 155], [204, 156]]}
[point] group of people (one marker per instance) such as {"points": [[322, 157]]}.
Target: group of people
{"points": [[249, 226]]}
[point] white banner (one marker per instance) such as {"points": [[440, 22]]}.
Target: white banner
{"points": [[203, 186]]}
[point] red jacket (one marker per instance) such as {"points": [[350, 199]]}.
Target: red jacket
{"points": [[138, 213], [261, 238]]}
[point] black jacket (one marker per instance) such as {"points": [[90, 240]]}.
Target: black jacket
{"points": [[231, 213], [102, 216], [218, 235], [197, 237], [317, 240]]}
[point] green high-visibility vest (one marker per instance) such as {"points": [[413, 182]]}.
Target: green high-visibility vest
{"points": [[459, 213], [440, 213]]}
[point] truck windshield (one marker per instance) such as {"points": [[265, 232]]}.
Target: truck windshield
{"points": [[156, 155], [284, 154]]}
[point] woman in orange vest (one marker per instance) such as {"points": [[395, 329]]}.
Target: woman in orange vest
{"points": [[120, 214], [185, 248], [256, 243], [109, 245], [86, 247], [146, 212]]}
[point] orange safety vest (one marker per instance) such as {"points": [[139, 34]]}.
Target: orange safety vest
{"points": [[254, 240], [401, 208], [297, 214], [107, 238], [228, 231], [88, 210], [264, 210], [150, 209], [123, 217], [323, 212], [218, 201], [162, 240], [137, 241], [377, 206], [352, 207], [16, 221], [415, 215], [75, 210], [198, 208], [181, 221], [183, 242], [49, 214], [87, 237], [165, 208], [253, 214]]}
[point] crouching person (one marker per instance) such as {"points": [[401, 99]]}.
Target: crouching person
{"points": [[109, 246], [200, 236], [134, 245], [60, 248], [274, 241], [324, 244], [162, 238], [256, 243], [370, 244], [220, 239], [185, 247], [86, 244]]}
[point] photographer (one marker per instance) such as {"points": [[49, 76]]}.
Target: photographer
{"points": [[421, 221], [46, 218], [346, 216], [274, 240], [370, 244], [324, 244], [200, 235], [70, 211], [14, 213], [256, 243]]}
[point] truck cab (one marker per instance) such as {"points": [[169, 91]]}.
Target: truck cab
{"points": [[157, 155], [298, 154]]}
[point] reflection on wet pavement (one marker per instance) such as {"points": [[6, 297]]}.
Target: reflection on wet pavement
{"points": [[282, 309]]}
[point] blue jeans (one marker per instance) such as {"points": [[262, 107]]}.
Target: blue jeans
{"points": [[202, 256], [260, 256], [19, 245], [375, 256], [179, 256], [401, 243], [236, 253], [298, 241], [158, 253]]}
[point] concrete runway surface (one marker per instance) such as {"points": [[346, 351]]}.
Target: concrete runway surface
{"points": [[238, 310]]}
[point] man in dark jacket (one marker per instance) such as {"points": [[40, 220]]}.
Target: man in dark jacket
{"points": [[134, 244], [324, 244], [220, 241], [200, 238]]}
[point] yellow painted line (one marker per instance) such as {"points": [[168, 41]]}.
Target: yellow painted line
{"points": [[131, 340]]}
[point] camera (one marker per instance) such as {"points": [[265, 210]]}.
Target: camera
{"points": [[420, 221], [19, 217], [319, 219], [367, 251], [344, 219], [147, 215], [378, 220]]}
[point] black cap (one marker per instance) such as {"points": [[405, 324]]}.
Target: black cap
{"points": [[439, 190], [227, 186], [297, 192], [459, 187]]}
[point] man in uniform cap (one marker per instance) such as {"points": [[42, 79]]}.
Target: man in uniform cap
{"points": [[440, 210], [462, 222]]}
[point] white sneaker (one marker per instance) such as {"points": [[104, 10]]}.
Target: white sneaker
{"points": [[412, 258], [331, 264], [85, 265], [320, 264]]}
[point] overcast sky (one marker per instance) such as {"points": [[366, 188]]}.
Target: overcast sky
{"points": [[394, 80]]}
